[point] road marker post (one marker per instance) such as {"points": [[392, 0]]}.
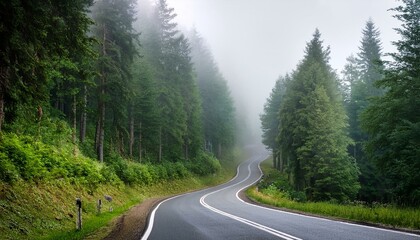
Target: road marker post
{"points": [[79, 214], [99, 206]]}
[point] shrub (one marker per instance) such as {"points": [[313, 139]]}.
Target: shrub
{"points": [[25, 157], [170, 169], [157, 172], [181, 170], [143, 174], [21, 153], [8, 171], [110, 176], [204, 164]]}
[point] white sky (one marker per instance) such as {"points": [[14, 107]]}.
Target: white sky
{"points": [[255, 41]]}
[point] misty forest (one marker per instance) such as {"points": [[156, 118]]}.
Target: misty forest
{"points": [[107, 96], [355, 137]]}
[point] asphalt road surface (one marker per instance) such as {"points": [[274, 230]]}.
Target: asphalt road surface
{"points": [[218, 213]]}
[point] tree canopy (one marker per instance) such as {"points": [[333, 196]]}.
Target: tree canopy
{"points": [[393, 120], [312, 139]]}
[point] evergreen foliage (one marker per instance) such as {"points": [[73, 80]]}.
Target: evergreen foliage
{"points": [[393, 120], [312, 129], [218, 110], [270, 121], [116, 48], [70, 71], [36, 39], [361, 74]]}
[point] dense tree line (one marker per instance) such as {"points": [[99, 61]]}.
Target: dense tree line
{"points": [[305, 125], [359, 76], [196, 110], [358, 136], [392, 120], [218, 122], [127, 81]]}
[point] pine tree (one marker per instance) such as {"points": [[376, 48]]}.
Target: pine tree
{"points": [[168, 53], [369, 58], [313, 130], [363, 72], [113, 29], [34, 35], [170, 100], [193, 138], [145, 111], [218, 115], [393, 120], [270, 123]]}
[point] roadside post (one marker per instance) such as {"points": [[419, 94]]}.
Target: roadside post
{"points": [[99, 206], [79, 214]]}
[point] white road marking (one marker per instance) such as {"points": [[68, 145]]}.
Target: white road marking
{"points": [[251, 223], [152, 215], [152, 219], [313, 217], [244, 220]]}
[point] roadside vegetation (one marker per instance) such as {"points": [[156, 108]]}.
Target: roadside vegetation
{"points": [[40, 183], [273, 189], [90, 107], [353, 138]]}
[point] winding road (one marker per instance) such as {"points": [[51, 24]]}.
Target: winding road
{"points": [[218, 213]]}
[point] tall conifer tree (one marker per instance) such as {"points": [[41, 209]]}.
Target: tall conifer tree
{"points": [[116, 37], [270, 121], [218, 115], [34, 35], [313, 129], [364, 73], [393, 120]]}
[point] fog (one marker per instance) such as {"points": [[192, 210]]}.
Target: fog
{"points": [[255, 41]]}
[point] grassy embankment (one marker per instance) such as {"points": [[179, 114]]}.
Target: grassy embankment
{"points": [[47, 210], [384, 215], [40, 178]]}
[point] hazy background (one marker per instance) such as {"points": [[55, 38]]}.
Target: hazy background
{"points": [[255, 41]]}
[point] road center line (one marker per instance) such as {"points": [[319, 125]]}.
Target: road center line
{"points": [[243, 220], [152, 215], [313, 217]]}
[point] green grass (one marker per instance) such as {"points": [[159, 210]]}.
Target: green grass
{"points": [[47, 210], [40, 180], [381, 214]]}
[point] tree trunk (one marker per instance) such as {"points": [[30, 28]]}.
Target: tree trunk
{"points": [[74, 125], [4, 82], [97, 134], [160, 144], [219, 150], [140, 147], [121, 143], [280, 161], [274, 158], [1, 108], [101, 131], [83, 116], [131, 144]]}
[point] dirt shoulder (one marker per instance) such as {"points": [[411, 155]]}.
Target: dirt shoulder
{"points": [[132, 224]]}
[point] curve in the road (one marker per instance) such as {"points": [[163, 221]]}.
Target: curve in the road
{"points": [[188, 217], [243, 220]]}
